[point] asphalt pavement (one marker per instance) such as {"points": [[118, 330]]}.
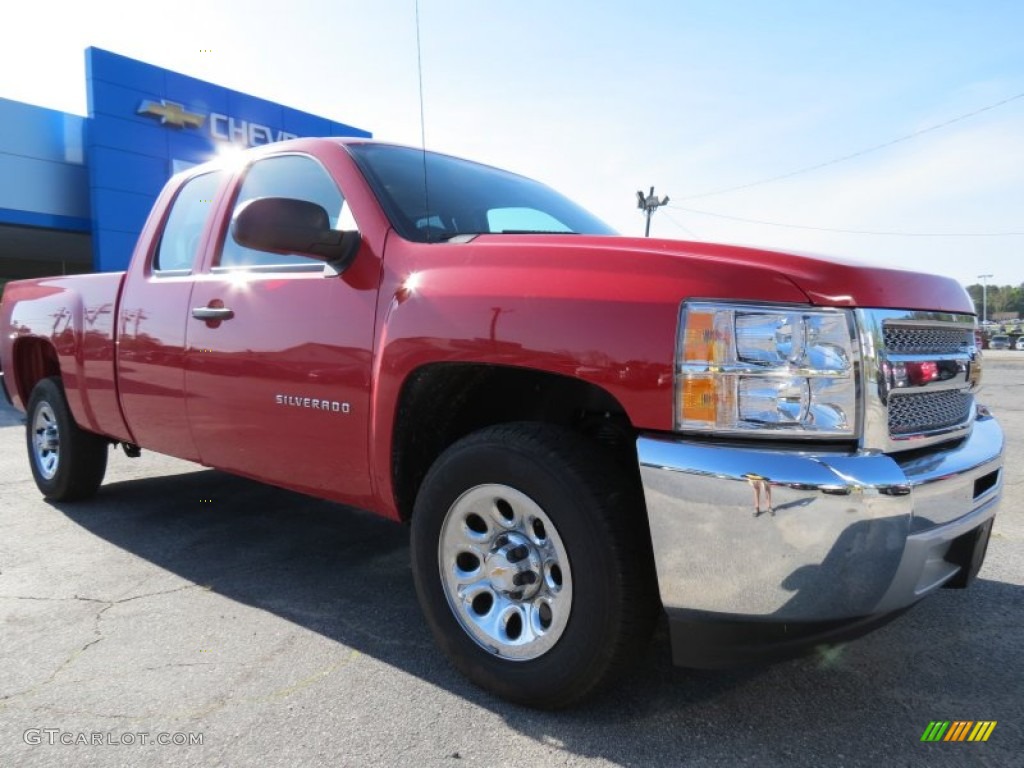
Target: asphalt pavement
{"points": [[186, 617]]}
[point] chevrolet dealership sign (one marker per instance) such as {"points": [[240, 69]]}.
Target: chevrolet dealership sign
{"points": [[171, 113], [146, 123], [220, 127]]}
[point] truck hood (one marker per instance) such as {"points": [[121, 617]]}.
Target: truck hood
{"points": [[826, 281], [843, 283]]}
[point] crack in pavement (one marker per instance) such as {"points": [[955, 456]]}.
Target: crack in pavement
{"points": [[5, 699], [57, 599], [221, 700]]}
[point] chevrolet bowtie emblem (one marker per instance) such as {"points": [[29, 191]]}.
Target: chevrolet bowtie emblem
{"points": [[172, 113]]}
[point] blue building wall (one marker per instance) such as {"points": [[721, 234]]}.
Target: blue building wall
{"points": [[43, 178], [146, 123]]}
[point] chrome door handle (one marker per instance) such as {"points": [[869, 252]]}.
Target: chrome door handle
{"points": [[212, 313]]}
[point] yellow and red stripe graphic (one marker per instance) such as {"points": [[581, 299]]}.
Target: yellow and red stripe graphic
{"points": [[958, 730]]}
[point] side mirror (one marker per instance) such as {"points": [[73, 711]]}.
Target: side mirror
{"points": [[285, 225]]}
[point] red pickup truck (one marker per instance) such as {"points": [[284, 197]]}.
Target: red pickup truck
{"points": [[584, 432]]}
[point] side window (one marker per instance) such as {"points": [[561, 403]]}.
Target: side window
{"points": [[295, 176], [185, 223]]}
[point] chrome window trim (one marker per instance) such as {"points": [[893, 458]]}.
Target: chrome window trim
{"points": [[313, 266]]}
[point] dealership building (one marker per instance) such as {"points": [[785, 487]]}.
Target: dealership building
{"points": [[75, 191]]}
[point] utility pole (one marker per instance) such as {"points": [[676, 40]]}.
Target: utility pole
{"points": [[984, 297], [649, 205]]}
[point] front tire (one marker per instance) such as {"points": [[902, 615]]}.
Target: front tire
{"points": [[531, 557], [67, 462]]}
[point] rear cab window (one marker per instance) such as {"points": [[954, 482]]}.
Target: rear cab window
{"points": [[183, 231]]}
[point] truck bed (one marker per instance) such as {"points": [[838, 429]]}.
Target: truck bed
{"points": [[75, 318]]}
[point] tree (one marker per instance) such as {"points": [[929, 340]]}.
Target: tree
{"points": [[1001, 298]]}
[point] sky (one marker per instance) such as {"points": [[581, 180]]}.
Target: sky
{"points": [[900, 123]]}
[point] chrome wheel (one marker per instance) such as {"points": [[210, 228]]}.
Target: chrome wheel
{"points": [[505, 572], [45, 441]]}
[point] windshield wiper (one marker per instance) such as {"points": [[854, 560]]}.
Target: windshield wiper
{"points": [[448, 236], [534, 232]]}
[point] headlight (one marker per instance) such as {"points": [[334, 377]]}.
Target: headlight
{"points": [[779, 370]]}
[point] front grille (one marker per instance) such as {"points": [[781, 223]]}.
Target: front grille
{"points": [[921, 369], [923, 412], [903, 340]]}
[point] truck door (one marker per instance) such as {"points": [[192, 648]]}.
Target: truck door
{"points": [[279, 352], [152, 316]]}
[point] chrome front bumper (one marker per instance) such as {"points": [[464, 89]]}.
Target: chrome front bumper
{"points": [[784, 538]]}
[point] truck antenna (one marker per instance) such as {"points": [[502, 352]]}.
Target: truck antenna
{"points": [[423, 125]]}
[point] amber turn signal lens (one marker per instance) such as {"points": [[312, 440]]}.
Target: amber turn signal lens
{"points": [[699, 338], [705, 399]]}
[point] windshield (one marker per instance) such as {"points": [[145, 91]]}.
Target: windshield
{"points": [[461, 197]]}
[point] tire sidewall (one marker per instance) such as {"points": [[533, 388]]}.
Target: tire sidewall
{"points": [[83, 456]]}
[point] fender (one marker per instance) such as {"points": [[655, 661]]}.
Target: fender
{"points": [[566, 305]]}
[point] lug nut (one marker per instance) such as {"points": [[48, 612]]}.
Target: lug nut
{"points": [[524, 578]]}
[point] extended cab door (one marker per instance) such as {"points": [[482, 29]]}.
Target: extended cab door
{"points": [[279, 351], [152, 314]]}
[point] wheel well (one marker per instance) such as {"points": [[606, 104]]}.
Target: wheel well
{"points": [[34, 360], [443, 402]]}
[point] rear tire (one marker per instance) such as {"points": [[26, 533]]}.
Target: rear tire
{"points": [[531, 556], [67, 462]]}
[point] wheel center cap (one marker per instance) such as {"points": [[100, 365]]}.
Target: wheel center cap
{"points": [[49, 441], [514, 567]]}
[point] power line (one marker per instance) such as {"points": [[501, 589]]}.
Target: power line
{"points": [[847, 231], [858, 153], [693, 235]]}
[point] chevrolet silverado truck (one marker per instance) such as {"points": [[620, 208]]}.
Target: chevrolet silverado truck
{"points": [[584, 432]]}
